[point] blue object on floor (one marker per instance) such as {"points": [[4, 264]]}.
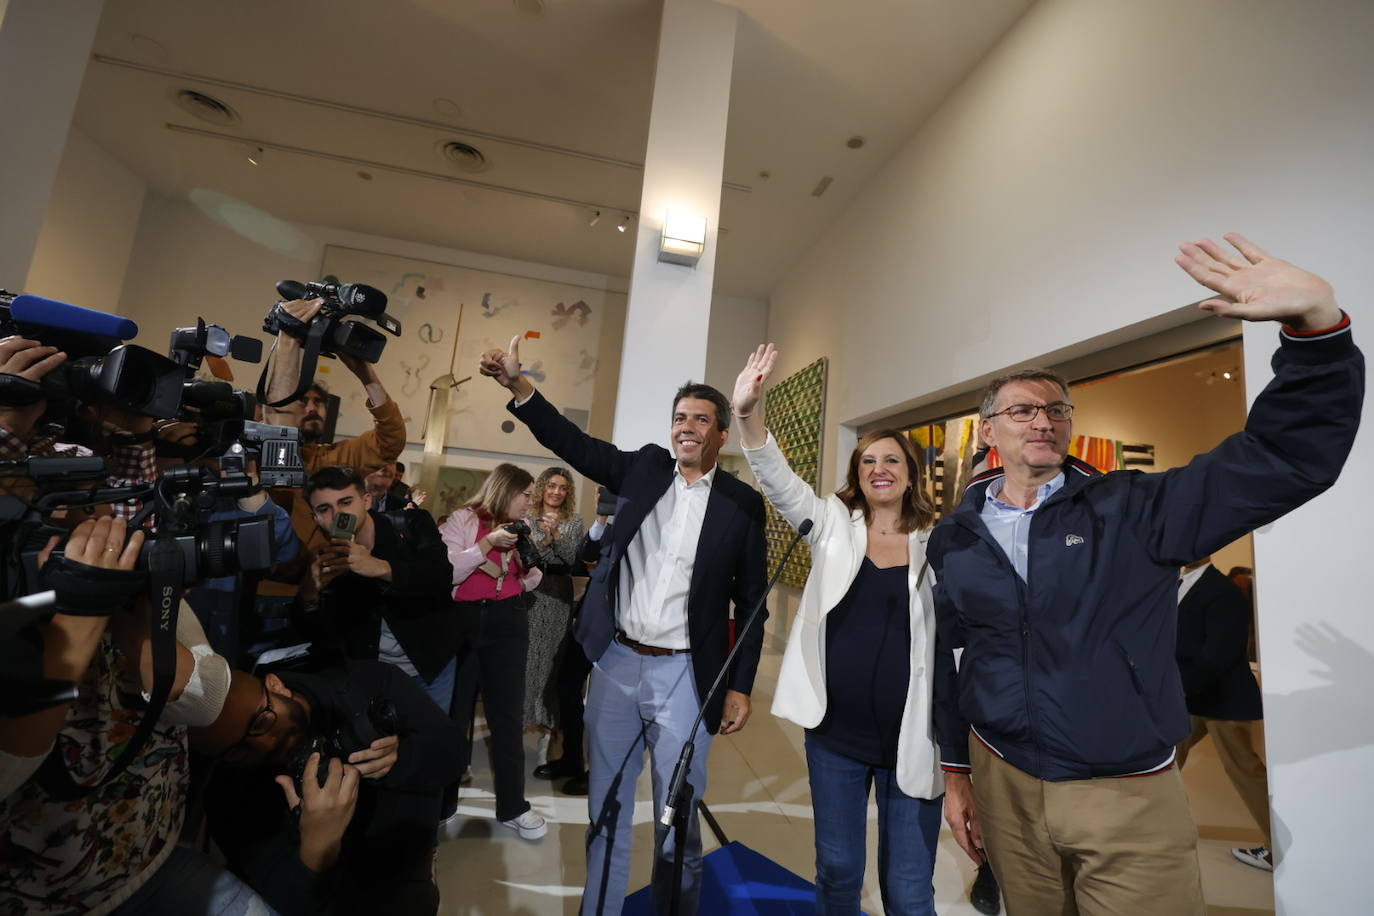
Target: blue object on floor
{"points": [[739, 881]]}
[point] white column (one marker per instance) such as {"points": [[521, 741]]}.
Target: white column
{"points": [[44, 47], [669, 311]]}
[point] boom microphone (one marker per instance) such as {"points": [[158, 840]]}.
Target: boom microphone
{"points": [[36, 310]]}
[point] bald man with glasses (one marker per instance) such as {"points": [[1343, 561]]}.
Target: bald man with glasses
{"points": [[1058, 700]]}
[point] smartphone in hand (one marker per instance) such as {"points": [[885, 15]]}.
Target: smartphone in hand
{"points": [[344, 527]]}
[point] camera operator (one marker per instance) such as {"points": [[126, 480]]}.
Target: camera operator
{"points": [[383, 591], [382, 443], [23, 434], [362, 838], [113, 847], [376, 446]]}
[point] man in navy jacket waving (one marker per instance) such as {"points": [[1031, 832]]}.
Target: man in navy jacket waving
{"points": [[1057, 589]]}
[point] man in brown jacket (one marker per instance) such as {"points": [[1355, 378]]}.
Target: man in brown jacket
{"points": [[377, 446]]}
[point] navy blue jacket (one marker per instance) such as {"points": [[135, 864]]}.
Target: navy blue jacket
{"points": [[730, 564], [1071, 674], [1213, 632]]}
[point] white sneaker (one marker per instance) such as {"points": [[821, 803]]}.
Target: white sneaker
{"points": [[529, 825], [1258, 857], [447, 827]]}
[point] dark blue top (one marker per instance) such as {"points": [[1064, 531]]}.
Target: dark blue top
{"points": [[867, 666]]}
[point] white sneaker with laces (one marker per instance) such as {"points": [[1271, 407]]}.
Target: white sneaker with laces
{"points": [[1258, 857], [529, 825]]}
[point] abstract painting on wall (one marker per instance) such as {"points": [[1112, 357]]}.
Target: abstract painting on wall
{"points": [[796, 417]]}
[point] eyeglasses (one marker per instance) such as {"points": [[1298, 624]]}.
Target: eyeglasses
{"points": [[1024, 413], [262, 723]]}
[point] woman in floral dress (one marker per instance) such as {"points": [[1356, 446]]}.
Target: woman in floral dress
{"points": [[557, 531]]}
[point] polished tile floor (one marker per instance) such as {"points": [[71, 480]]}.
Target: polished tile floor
{"points": [[759, 793]]}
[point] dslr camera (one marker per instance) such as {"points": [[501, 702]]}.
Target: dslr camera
{"points": [[524, 545], [343, 738]]}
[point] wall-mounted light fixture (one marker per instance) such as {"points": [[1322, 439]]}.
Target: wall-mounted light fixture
{"points": [[684, 239]]}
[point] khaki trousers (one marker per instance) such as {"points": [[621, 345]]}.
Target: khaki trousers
{"points": [[1091, 847], [1240, 761]]}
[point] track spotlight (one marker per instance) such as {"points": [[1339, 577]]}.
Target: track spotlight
{"points": [[624, 221], [596, 218], [255, 155]]}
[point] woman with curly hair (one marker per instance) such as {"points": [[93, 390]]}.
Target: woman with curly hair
{"points": [[556, 531]]}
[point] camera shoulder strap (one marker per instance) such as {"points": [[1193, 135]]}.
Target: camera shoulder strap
{"points": [[166, 576], [310, 353]]}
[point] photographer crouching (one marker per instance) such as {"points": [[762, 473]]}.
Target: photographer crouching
{"points": [[360, 756]]}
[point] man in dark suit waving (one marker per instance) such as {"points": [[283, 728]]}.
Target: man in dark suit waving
{"points": [[687, 542]]}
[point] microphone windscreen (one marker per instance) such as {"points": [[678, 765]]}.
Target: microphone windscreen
{"points": [[362, 299], [291, 290], [50, 313], [804, 528]]}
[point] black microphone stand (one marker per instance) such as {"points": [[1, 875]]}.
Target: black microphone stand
{"points": [[678, 805]]}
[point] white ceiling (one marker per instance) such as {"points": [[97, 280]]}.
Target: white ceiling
{"points": [[568, 88]]}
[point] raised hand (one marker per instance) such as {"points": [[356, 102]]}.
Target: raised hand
{"points": [[1257, 286], [749, 385], [502, 365]]}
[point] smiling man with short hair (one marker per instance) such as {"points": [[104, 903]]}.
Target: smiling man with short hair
{"points": [[1058, 584]]}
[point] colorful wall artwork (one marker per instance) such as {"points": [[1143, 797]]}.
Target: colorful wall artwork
{"points": [[560, 327], [796, 416]]}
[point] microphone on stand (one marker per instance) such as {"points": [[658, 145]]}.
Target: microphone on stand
{"points": [[684, 760]]}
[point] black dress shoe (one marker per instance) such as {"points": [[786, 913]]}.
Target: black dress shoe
{"points": [[985, 895], [577, 785], [556, 769]]}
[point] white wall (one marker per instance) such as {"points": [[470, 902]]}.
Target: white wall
{"points": [[1034, 218], [88, 229]]}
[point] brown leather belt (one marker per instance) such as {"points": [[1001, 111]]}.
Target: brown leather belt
{"points": [[642, 649]]}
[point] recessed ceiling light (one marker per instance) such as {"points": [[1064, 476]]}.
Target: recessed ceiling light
{"points": [[206, 107], [467, 157], [855, 142]]}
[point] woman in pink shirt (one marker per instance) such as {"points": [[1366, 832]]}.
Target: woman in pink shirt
{"points": [[491, 595]]}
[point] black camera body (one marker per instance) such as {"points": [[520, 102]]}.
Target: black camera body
{"points": [[524, 545], [342, 738], [336, 334]]}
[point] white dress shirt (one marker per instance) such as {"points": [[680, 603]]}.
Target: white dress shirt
{"points": [[656, 571], [1187, 580]]}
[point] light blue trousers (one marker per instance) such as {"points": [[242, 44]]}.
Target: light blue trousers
{"points": [[637, 703]]}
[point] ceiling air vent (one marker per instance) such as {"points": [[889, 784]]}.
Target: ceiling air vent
{"points": [[467, 158], [206, 107]]}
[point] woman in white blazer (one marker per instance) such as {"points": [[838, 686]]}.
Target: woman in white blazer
{"points": [[856, 673]]}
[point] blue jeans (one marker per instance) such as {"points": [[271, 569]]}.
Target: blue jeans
{"points": [[190, 883], [908, 830], [440, 689], [635, 704]]}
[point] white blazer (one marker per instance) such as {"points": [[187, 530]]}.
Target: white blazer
{"points": [[839, 541]]}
